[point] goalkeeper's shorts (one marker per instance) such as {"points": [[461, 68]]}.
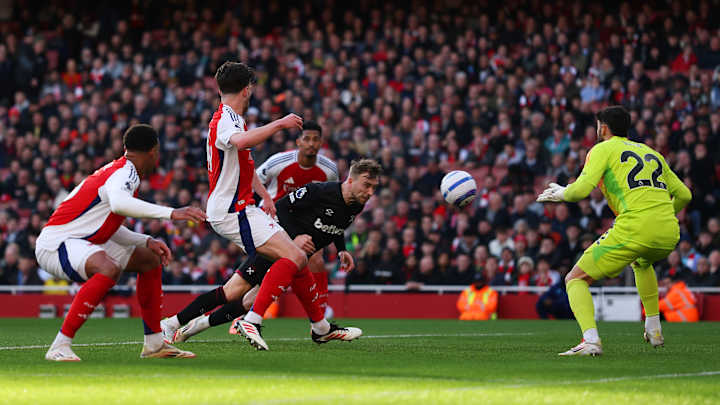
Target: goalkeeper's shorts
{"points": [[608, 256]]}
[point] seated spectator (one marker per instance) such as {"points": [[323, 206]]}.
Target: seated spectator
{"points": [[27, 272], [491, 273], [463, 273], [703, 277], [502, 241], [176, 275], [360, 275], [478, 302], [526, 267]]}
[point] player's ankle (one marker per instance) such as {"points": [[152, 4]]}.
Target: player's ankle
{"points": [[652, 322], [591, 336], [253, 317], [321, 327], [173, 322], [61, 339]]}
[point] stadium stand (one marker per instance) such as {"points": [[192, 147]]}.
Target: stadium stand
{"points": [[507, 94]]}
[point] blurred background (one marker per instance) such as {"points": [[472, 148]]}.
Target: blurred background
{"points": [[507, 93]]}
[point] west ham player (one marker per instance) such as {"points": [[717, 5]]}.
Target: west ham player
{"points": [[84, 241], [231, 209], [287, 171], [316, 215]]}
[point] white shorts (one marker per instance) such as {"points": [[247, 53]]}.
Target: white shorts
{"points": [[68, 261], [249, 228]]}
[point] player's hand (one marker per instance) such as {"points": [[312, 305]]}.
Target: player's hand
{"points": [[291, 121], [346, 261], [554, 193], [269, 207], [188, 214], [160, 248], [305, 243]]}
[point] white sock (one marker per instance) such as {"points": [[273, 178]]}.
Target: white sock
{"points": [[591, 336], [652, 323], [154, 341], [203, 323], [173, 322], [253, 317], [321, 327], [61, 339]]}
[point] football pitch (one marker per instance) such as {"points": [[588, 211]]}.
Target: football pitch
{"points": [[397, 361]]}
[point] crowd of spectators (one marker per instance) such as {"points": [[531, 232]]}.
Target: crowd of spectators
{"points": [[507, 93]]}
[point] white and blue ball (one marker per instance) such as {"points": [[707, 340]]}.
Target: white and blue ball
{"points": [[458, 188]]}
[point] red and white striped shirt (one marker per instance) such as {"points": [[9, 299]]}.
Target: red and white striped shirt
{"points": [[97, 207], [282, 173], [230, 170]]}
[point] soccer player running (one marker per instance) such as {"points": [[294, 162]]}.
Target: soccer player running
{"points": [[231, 209], [84, 241], [645, 195], [316, 215], [287, 171]]}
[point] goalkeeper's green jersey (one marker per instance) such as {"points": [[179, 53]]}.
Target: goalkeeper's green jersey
{"points": [[640, 189]]}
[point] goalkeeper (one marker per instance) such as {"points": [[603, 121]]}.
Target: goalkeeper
{"points": [[645, 195]]}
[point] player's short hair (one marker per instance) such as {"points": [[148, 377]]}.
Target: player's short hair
{"points": [[617, 118], [312, 126], [140, 137], [232, 77], [362, 166]]}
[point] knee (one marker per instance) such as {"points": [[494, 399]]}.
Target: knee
{"points": [[110, 269], [233, 292], [298, 257], [101, 263]]}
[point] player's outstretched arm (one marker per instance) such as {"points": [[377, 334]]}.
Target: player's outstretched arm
{"points": [[119, 190], [248, 139]]}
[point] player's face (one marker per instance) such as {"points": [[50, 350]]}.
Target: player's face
{"points": [[309, 143], [363, 187]]}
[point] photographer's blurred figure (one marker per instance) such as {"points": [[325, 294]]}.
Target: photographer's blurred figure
{"points": [[679, 303], [478, 302]]}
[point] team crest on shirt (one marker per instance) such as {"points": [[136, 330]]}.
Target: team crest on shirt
{"points": [[129, 186], [329, 212]]}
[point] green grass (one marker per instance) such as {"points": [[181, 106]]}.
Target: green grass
{"points": [[426, 361]]}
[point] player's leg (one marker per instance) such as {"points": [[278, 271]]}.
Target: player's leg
{"points": [[647, 286], [80, 261], [606, 257], [320, 274], [194, 312], [290, 259], [147, 264], [577, 283], [236, 228], [322, 331]]}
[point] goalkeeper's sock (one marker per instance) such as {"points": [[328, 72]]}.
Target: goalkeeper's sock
{"points": [[227, 313], [203, 303], [582, 306], [647, 286]]}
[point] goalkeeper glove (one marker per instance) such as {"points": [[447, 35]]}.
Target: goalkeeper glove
{"points": [[554, 193]]}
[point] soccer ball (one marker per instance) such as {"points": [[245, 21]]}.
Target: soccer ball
{"points": [[458, 188]]}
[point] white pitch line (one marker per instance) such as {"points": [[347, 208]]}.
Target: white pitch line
{"points": [[278, 339], [387, 393]]}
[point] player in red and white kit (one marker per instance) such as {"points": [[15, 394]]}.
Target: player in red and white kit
{"points": [[232, 212], [84, 241], [285, 172]]}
